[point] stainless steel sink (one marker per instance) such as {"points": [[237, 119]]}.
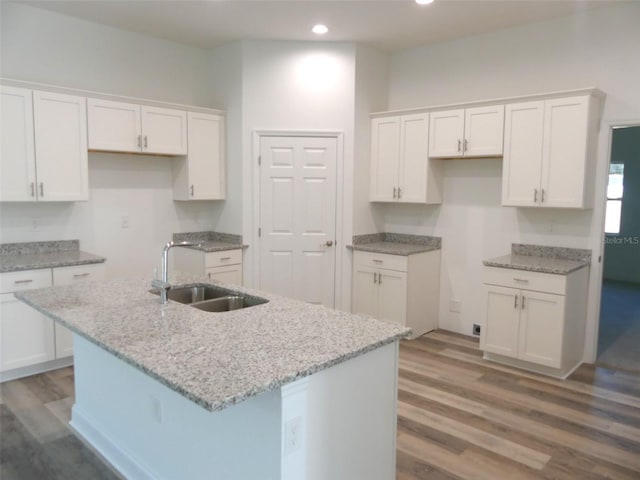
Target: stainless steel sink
{"points": [[196, 293], [212, 298]]}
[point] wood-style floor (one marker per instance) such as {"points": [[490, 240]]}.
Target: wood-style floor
{"points": [[459, 417]]}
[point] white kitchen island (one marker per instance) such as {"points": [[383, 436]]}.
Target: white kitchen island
{"points": [[283, 390]]}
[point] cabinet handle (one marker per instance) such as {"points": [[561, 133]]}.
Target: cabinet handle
{"points": [[192, 190], [464, 146], [522, 307], [459, 145], [394, 192], [375, 260], [146, 143], [542, 196], [209, 275], [81, 275], [33, 189], [225, 259], [521, 280], [42, 189], [535, 196], [399, 193], [139, 141], [22, 281], [374, 277], [379, 279]]}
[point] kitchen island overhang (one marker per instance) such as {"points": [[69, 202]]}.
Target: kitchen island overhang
{"points": [[282, 390]]}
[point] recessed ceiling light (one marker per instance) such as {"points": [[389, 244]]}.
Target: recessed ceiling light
{"points": [[424, 2], [320, 29]]}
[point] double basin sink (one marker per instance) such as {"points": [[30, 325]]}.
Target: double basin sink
{"points": [[211, 298]]}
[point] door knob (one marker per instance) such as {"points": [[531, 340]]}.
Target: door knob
{"points": [[329, 243]]}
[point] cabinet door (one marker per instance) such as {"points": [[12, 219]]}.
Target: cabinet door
{"points": [[365, 291], [231, 274], [446, 131], [385, 158], [69, 276], [392, 296], [484, 131], [113, 126], [501, 321], [522, 164], [164, 131], [541, 328], [414, 158], [17, 155], [564, 152], [206, 157], [60, 123], [26, 335]]}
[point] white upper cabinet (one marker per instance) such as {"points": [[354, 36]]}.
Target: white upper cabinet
{"points": [[400, 167], [128, 127], [44, 146], [60, 126], [17, 160], [548, 157], [471, 132], [201, 174]]}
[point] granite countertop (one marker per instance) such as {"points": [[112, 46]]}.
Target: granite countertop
{"points": [[536, 258], [211, 241], [15, 257], [214, 359], [395, 243]]}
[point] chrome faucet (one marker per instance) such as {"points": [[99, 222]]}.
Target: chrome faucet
{"points": [[162, 283]]}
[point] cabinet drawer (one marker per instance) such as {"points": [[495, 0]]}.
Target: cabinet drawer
{"points": [[381, 260], [77, 273], [25, 280], [225, 257], [536, 281]]}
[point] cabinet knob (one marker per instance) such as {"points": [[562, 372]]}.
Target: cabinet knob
{"points": [[329, 243]]}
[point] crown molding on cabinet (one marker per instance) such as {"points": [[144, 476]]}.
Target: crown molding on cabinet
{"points": [[106, 96], [478, 103]]}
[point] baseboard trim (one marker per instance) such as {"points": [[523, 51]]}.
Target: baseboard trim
{"points": [[121, 461], [21, 372]]}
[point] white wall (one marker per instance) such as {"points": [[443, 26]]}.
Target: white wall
{"points": [[45, 47], [303, 86], [594, 48]]}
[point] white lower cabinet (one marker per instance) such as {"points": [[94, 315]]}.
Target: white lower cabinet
{"points": [[538, 330], [402, 289], [69, 276], [31, 342], [223, 266]]}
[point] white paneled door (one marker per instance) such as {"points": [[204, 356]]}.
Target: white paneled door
{"points": [[298, 217]]}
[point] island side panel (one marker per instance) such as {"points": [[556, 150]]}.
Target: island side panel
{"points": [[351, 418], [147, 431]]}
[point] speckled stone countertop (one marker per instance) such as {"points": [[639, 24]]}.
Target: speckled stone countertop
{"points": [[395, 243], [15, 257], [211, 241], [214, 359], [537, 258]]}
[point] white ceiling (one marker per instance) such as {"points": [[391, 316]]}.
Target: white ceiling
{"points": [[384, 24]]}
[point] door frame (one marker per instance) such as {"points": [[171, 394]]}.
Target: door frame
{"points": [[340, 201], [593, 319]]}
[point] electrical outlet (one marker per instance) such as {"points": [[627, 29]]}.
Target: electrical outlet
{"points": [[476, 329], [455, 306], [157, 410], [292, 435], [124, 221]]}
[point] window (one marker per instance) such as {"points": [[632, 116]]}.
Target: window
{"points": [[614, 198]]}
